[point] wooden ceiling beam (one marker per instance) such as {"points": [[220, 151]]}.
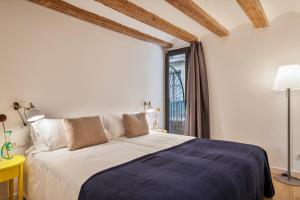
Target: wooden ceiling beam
{"points": [[191, 9], [93, 18], [132, 10], [255, 12]]}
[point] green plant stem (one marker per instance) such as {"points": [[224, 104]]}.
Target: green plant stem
{"points": [[3, 127]]}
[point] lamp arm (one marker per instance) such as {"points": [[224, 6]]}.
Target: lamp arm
{"points": [[24, 123], [17, 108]]}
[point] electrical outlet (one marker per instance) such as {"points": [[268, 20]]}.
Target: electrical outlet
{"points": [[297, 156]]}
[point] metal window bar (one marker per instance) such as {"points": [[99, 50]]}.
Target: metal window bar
{"points": [[176, 102]]}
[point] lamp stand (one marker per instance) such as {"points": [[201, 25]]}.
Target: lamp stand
{"points": [[287, 177]]}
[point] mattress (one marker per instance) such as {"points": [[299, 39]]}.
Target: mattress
{"points": [[59, 174]]}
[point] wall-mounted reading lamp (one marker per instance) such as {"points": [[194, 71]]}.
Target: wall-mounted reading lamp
{"points": [[31, 114], [148, 107]]}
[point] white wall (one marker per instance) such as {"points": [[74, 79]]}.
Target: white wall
{"points": [[70, 68], [241, 70]]}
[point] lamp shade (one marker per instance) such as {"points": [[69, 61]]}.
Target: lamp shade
{"points": [[288, 77], [148, 107], [34, 115]]}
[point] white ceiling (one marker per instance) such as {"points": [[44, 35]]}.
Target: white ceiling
{"points": [[227, 12]]}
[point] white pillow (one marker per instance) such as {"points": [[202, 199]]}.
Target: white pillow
{"points": [[115, 126], [104, 120], [48, 134]]}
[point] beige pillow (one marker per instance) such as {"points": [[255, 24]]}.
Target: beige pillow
{"points": [[135, 124], [84, 132]]}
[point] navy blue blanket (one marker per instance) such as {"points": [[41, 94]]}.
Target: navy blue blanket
{"points": [[199, 169]]}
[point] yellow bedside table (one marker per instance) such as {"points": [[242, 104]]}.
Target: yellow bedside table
{"points": [[9, 169]]}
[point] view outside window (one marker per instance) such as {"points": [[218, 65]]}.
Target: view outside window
{"points": [[176, 92]]}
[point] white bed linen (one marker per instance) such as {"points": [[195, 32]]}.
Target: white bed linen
{"points": [[156, 140], [59, 174]]}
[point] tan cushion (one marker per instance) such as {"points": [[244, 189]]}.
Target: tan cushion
{"points": [[84, 132], [135, 124]]}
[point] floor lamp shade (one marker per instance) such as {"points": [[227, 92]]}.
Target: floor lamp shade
{"points": [[288, 78]]}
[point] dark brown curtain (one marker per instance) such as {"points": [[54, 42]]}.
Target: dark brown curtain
{"points": [[197, 99]]}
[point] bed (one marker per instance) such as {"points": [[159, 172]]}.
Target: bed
{"points": [[59, 174], [70, 175]]}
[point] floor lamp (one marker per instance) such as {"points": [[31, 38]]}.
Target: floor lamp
{"points": [[287, 79]]}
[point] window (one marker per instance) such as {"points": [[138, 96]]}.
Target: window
{"points": [[176, 65]]}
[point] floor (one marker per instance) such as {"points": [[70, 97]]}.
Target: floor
{"points": [[285, 192]]}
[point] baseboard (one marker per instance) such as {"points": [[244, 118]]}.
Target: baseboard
{"points": [[278, 170]]}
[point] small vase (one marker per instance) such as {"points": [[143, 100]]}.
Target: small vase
{"points": [[7, 147]]}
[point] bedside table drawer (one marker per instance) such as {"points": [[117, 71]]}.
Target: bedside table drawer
{"points": [[9, 173]]}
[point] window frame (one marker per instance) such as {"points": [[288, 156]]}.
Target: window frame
{"points": [[186, 51]]}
